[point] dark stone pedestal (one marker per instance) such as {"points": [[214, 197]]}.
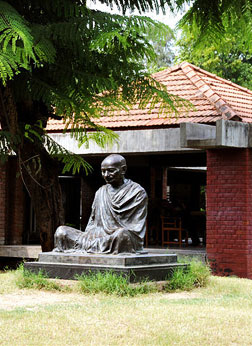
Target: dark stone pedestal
{"points": [[155, 267]]}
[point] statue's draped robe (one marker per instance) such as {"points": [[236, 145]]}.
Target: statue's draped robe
{"points": [[117, 223]]}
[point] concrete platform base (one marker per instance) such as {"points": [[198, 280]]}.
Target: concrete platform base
{"points": [[20, 251], [135, 267]]}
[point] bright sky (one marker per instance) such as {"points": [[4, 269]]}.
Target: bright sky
{"points": [[169, 18]]}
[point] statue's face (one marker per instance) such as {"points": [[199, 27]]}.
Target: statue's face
{"points": [[112, 172]]}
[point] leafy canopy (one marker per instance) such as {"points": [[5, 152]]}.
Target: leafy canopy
{"points": [[228, 58], [212, 19], [79, 63], [164, 53]]}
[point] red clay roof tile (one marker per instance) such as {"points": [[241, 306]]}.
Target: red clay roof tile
{"points": [[212, 97]]}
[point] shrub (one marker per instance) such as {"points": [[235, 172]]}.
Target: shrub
{"points": [[111, 283], [196, 275]]}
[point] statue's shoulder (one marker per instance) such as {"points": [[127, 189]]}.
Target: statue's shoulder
{"points": [[103, 187], [134, 184], [100, 190], [137, 187]]}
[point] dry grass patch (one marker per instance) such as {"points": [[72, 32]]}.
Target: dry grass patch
{"points": [[7, 282], [220, 314]]}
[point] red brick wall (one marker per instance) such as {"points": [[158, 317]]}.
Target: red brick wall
{"points": [[3, 200], [229, 211]]}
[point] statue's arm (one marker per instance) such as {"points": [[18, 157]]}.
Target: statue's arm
{"points": [[92, 215], [136, 222]]}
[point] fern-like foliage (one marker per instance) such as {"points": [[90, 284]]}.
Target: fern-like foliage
{"points": [[18, 43], [71, 162], [210, 21], [141, 6], [79, 64]]}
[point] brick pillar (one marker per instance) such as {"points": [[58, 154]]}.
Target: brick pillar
{"points": [[3, 203], [229, 211]]}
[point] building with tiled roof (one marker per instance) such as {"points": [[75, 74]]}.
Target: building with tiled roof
{"points": [[175, 157], [212, 97]]}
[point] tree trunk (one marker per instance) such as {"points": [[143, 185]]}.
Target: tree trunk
{"points": [[38, 169], [40, 175]]}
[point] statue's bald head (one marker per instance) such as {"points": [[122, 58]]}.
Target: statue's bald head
{"points": [[115, 159], [113, 169]]}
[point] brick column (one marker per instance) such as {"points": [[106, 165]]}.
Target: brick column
{"points": [[3, 202], [229, 211]]}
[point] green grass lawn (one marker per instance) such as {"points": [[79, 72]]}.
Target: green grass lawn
{"points": [[220, 314]]}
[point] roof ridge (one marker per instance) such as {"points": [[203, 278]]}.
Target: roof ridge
{"points": [[217, 77], [213, 97], [166, 70]]}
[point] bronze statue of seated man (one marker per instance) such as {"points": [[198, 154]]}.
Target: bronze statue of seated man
{"points": [[117, 223]]}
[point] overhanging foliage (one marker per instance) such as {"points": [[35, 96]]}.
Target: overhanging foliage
{"points": [[79, 63]]}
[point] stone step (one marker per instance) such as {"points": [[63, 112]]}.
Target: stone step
{"points": [[136, 267], [134, 273], [103, 259]]}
